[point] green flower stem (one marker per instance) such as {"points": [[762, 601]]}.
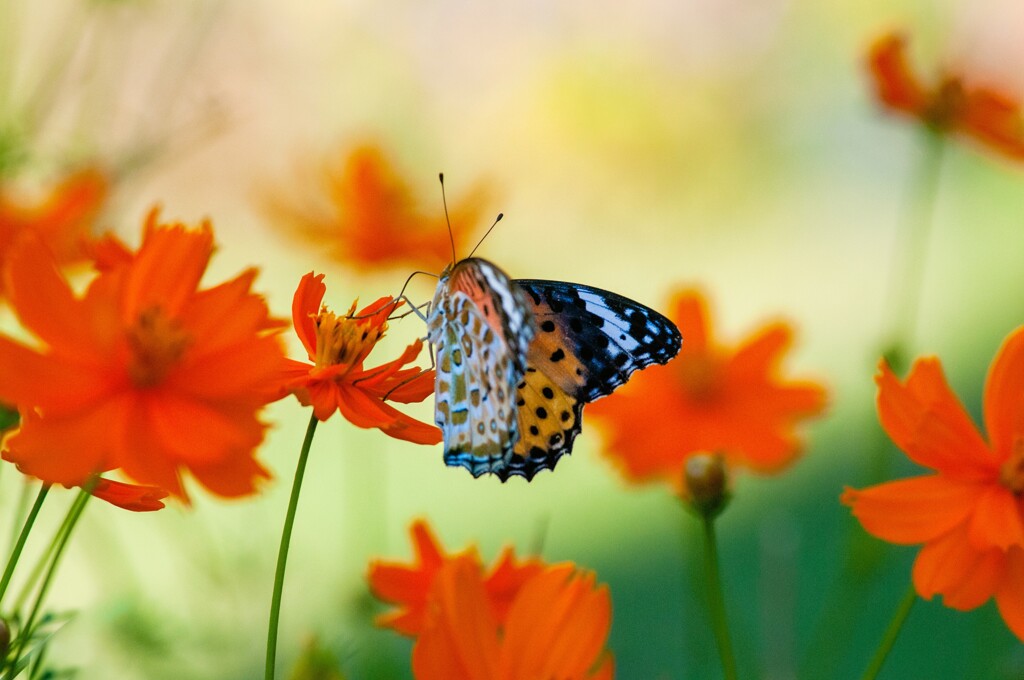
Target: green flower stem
{"points": [[282, 554], [26, 528], [44, 559], [60, 542], [906, 279], [891, 633], [716, 599]]}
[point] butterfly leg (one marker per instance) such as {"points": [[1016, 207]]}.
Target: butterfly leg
{"points": [[413, 309]]}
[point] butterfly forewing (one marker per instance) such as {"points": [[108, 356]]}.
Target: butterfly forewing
{"points": [[480, 327], [591, 340]]}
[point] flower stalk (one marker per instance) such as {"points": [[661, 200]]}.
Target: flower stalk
{"points": [[716, 599], [26, 529], [907, 276], [282, 554], [56, 550], [891, 633]]}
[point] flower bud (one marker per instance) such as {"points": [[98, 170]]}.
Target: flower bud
{"points": [[705, 481]]}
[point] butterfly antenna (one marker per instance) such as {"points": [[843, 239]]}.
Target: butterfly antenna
{"points": [[496, 220], [444, 202]]}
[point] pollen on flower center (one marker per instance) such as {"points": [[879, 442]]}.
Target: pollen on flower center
{"points": [[700, 377], [157, 343], [1011, 475], [344, 339]]}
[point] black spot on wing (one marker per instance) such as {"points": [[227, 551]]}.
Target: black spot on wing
{"points": [[611, 335]]}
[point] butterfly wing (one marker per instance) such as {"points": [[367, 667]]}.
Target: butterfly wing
{"points": [[480, 327], [588, 342]]}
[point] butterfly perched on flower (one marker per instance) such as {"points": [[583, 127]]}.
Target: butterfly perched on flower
{"points": [[516, 361]]}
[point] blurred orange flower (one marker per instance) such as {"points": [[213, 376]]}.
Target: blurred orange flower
{"points": [[366, 216], [990, 117], [709, 399], [144, 372], [968, 514], [521, 619], [556, 627], [337, 381], [409, 587], [61, 221]]}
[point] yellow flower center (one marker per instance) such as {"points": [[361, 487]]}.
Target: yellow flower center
{"points": [[1011, 474], [343, 339], [700, 377], [157, 343]]}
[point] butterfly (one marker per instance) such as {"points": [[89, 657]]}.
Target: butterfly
{"points": [[516, 360]]}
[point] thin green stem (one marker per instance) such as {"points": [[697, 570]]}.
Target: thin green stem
{"points": [[716, 599], [282, 553], [891, 633], [906, 279], [45, 558], [60, 542], [26, 528]]}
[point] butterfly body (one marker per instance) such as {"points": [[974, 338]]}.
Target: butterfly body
{"points": [[518, 359]]}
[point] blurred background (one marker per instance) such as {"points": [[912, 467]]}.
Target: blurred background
{"points": [[641, 147]]}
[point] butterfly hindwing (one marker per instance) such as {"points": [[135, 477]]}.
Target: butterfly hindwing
{"points": [[549, 420], [589, 341]]}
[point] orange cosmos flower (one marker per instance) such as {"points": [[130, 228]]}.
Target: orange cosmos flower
{"points": [[144, 372], [519, 619], [709, 398], [61, 221], [365, 215], [409, 587], [968, 514], [988, 116], [337, 380]]}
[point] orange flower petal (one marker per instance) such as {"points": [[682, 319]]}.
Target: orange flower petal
{"points": [[894, 83], [226, 315], [56, 386], [408, 586], [237, 474], [461, 640], [691, 315], [212, 435], [1010, 596], [414, 385], [1004, 395], [926, 420], [995, 120], [305, 305], [949, 566], [168, 249], [129, 496], [44, 302], [506, 579], [913, 510], [556, 627], [252, 366], [66, 450], [996, 521]]}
